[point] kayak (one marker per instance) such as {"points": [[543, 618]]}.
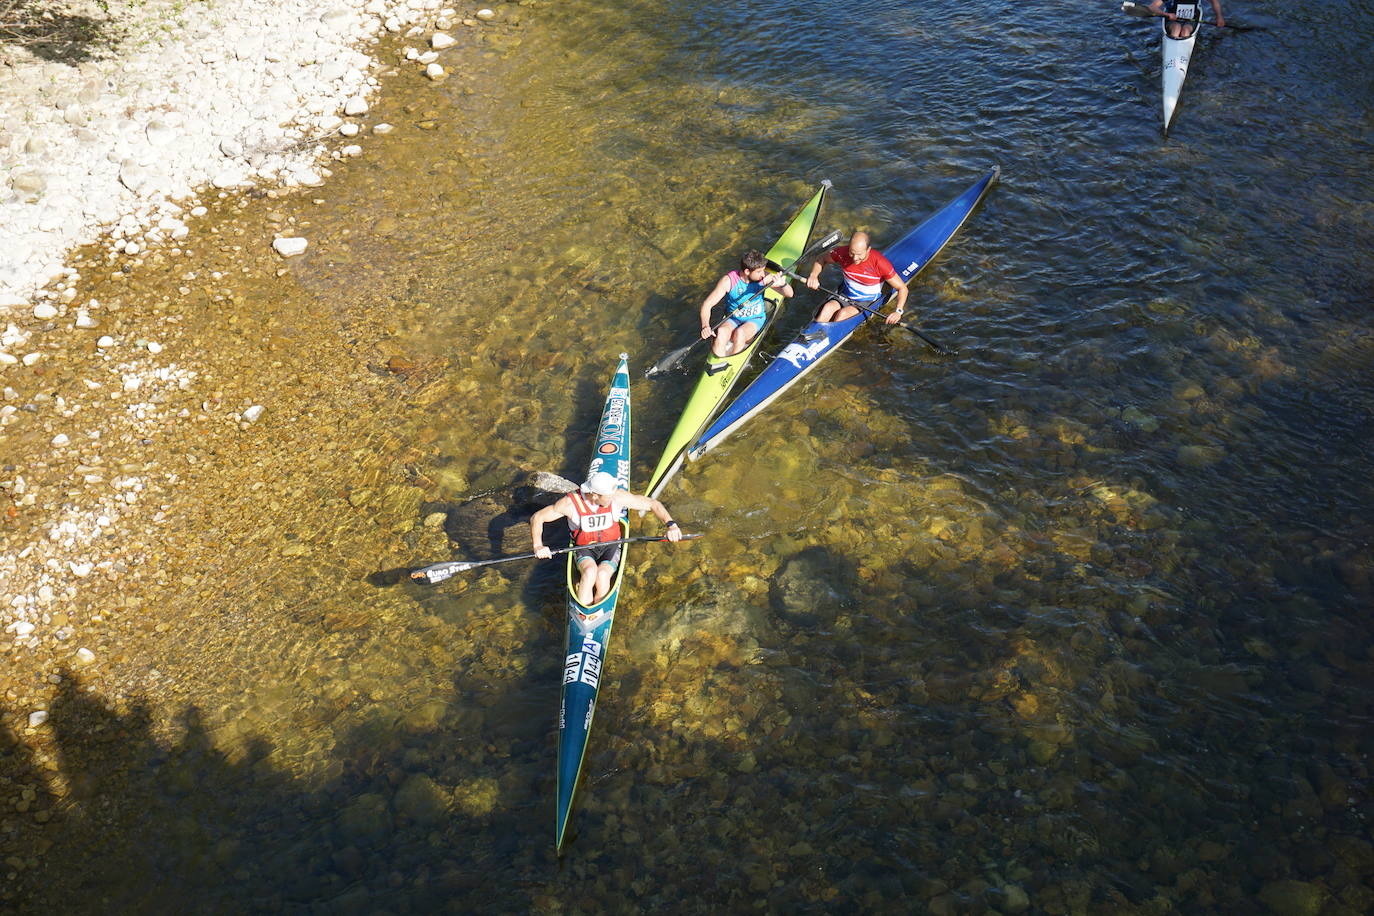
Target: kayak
{"points": [[719, 375], [589, 627], [909, 256], [1176, 54]]}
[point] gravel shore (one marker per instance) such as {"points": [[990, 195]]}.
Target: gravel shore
{"points": [[131, 151], [227, 95]]}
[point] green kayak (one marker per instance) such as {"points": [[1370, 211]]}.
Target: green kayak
{"points": [[719, 375]]}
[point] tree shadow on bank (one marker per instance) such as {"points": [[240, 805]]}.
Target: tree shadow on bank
{"points": [[50, 32]]}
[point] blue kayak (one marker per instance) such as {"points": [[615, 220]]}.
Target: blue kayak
{"points": [[589, 627], [909, 256]]}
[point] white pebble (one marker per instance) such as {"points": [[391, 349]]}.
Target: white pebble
{"points": [[60, 440], [382, 128], [289, 247], [37, 717], [23, 628], [349, 130], [428, 57], [485, 14], [357, 105], [154, 347], [85, 321], [352, 151], [434, 72], [105, 341], [85, 656], [80, 570], [440, 41], [31, 358], [251, 414], [43, 311]]}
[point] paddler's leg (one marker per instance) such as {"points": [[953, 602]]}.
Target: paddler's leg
{"points": [[605, 572], [745, 332], [827, 312], [722, 345], [586, 585]]}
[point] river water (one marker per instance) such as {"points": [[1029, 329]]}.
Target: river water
{"points": [[1073, 621]]}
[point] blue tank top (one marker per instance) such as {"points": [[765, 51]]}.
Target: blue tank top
{"points": [[744, 300]]}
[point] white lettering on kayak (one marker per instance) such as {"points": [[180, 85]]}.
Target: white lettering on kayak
{"points": [[584, 667], [798, 355]]}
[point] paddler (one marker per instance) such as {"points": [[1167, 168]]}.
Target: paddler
{"points": [[865, 271], [1181, 14], [742, 291], [593, 512]]}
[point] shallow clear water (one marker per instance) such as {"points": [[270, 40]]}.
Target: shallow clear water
{"points": [[1075, 621]]}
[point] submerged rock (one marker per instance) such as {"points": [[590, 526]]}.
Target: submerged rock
{"points": [[809, 582], [1293, 898]]}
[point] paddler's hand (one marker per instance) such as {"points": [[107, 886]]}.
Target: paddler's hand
{"points": [[674, 533], [1221, 21], [895, 316], [813, 283], [543, 553], [707, 332]]}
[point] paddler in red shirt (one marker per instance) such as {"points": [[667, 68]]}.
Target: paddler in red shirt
{"points": [[593, 513], [865, 272]]}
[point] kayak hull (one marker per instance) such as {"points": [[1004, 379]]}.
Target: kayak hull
{"points": [[719, 375], [1175, 55], [589, 626], [909, 256]]}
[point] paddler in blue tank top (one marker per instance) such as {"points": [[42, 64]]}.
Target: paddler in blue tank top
{"points": [[1182, 13], [742, 291]]}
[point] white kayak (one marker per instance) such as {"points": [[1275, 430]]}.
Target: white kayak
{"points": [[1177, 52]]}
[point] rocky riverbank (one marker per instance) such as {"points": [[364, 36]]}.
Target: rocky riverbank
{"points": [[178, 402], [116, 143], [140, 152]]}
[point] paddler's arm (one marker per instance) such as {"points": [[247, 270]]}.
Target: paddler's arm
{"points": [[895, 281], [649, 504], [1158, 7], [778, 281], [813, 279], [537, 522], [1216, 11], [717, 294]]}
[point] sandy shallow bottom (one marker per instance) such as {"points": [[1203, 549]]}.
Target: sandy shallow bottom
{"points": [[1060, 633]]}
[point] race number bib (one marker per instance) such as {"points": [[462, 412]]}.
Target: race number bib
{"points": [[1186, 11], [599, 522]]}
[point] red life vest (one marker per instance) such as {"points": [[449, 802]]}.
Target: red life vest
{"points": [[593, 524]]}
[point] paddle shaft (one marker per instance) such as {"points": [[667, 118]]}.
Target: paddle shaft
{"points": [[934, 345], [438, 572]]}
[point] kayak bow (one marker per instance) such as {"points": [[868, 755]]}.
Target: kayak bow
{"points": [[719, 375], [589, 627], [817, 340], [1176, 54]]}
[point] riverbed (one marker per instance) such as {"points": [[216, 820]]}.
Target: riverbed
{"points": [[1074, 621]]}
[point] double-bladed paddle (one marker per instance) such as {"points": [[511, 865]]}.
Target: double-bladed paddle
{"points": [[1143, 10], [934, 345], [676, 358], [438, 572]]}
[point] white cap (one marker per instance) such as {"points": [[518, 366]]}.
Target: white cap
{"points": [[601, 483]]}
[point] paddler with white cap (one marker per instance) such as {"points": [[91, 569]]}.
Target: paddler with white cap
{"points": [[593, 513]]}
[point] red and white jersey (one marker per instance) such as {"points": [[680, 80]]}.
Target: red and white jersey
{"points": [[592, 524], [863, 280]]}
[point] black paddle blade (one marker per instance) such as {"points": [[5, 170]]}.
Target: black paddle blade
{"points": [[670, 362]]}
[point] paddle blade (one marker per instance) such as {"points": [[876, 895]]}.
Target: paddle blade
{"points": [[1137, 9], [670, 362]]}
